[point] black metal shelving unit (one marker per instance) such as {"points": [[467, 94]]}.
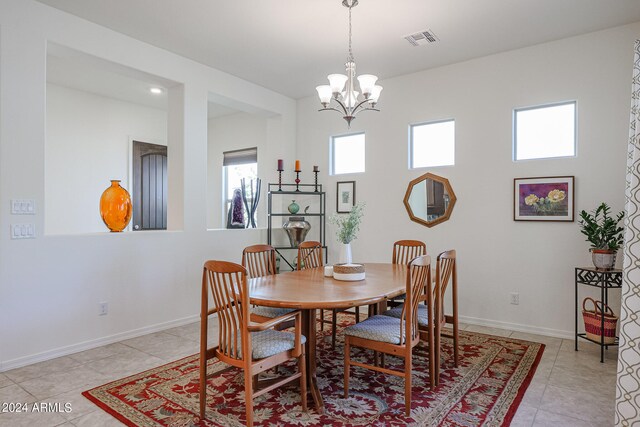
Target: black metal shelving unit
{"points": [[290, 190], [604, 280]]}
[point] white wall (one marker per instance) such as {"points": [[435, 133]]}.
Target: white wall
{"points": [[496, 255], [50, 286], [87, 145], [227, 133]]}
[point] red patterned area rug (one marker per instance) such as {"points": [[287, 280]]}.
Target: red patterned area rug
{"points": [[485, 389]]}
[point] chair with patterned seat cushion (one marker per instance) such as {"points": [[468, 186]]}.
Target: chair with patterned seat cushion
{"points": [[260, 261], [403, 252], [423, 314], [310, 256], [394, 336], [225, 285], [445, 273]]}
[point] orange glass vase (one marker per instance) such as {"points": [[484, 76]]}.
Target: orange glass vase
{"points": [[115, 207]]}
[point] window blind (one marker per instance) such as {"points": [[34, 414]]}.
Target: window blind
{"points": [[240, 157]]}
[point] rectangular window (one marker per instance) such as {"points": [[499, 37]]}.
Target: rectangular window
{"points": [[544, 131], [238, 164], [432, 144], [347, 154]]}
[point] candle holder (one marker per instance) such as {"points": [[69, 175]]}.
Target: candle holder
{"points": [[297, 180], [279, 180], [316, 174]]}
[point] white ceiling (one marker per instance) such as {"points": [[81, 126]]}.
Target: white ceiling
{"points": [[290, 46]]}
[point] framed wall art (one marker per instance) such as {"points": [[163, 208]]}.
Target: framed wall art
{"points": [[543, 199], [345, 196]]}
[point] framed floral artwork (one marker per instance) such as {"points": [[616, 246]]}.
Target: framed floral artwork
{"points": [[543, 199], [345, 196]]}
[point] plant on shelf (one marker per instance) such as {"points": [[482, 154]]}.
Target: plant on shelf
{"points": [[347, 230], [604, 233]]}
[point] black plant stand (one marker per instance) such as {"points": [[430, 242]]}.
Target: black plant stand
{"points": [[605, 280]]}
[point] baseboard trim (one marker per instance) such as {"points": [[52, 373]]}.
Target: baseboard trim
{"points": [[555, 333], [88, 345]]}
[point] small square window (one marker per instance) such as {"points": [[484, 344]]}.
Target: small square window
{"points": [[544, 131], [347, 153], [432, 144]]}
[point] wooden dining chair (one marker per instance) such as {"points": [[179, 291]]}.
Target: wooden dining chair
{"points": [[403, 252], [445, 273], [260, 261], [310, 256], [394, 336], [253, 347]]}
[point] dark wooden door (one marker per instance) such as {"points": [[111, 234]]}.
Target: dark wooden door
{"points": [[149, 186]]}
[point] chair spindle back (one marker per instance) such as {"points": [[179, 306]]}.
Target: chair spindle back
{"points": [[406, 250], [418, 279], [259, 260], [310, 255], [445, 273], [228, 285]]}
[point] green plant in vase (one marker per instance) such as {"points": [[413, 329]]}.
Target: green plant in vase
{"points": [[604, 233], [347, 227]]}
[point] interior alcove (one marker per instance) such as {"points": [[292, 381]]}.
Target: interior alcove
{"points": [[95, 110], [232, 126]]}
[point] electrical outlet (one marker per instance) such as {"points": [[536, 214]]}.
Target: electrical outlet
{"points": [[103, 308], [514, 298]]}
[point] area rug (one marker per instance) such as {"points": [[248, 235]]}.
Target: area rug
{"points": [[485, 389]]}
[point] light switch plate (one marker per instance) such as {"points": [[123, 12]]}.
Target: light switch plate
{"points": [[23, 231], [23, 207]]}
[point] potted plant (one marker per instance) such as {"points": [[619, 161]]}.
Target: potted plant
{"points": [[604, 234], [347, 230]]}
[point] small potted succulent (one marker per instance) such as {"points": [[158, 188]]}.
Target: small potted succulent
{"points": [[604, 233]]}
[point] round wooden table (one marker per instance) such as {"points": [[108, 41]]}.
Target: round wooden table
{"points": [[308, 290]]}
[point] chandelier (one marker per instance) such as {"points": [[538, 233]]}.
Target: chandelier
{"points": [[341, 87]]}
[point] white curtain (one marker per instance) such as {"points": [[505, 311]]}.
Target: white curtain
{"points": [[628, 382]]}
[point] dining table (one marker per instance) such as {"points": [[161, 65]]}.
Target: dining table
{"points": [[310, 290]]}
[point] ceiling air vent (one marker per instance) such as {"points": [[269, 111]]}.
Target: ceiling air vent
{"points": [[422, 38]]}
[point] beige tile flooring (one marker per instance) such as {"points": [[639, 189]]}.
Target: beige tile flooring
{"points": [[569, 388]]}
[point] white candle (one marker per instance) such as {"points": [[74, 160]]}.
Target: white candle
{"points": [[328, 271]]}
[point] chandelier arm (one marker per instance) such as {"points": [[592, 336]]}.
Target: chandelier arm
{"points": [[344, 107], [355, 109], [330, 109]]}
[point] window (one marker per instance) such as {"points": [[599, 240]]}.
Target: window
{"points": [[347, 154], [432, 144], [239, 164], [544, 131]]}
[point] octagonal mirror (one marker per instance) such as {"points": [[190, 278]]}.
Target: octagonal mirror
{"points": [[429, 199]]}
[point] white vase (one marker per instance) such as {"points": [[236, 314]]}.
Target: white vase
{"points": [[344, 256]]}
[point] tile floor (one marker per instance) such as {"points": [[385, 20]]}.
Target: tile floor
{"points": [[569, 388]]}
